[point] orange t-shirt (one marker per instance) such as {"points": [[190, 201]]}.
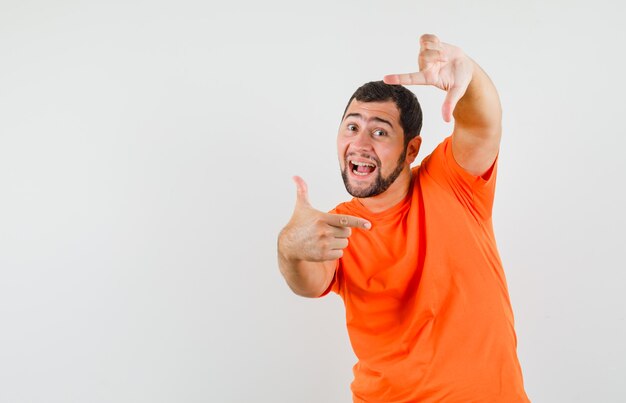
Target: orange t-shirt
{"points": [[427, 306]]}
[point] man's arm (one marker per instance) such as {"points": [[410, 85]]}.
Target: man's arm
{"points": [[471, 98], [307, 279], [477, 124], [311, 243]]}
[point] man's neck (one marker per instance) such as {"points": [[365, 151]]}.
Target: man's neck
{"points": [[390, 197]]}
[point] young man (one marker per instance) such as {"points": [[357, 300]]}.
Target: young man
{"points": [[427, 306]]}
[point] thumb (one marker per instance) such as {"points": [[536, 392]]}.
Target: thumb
{"points": [[452, 98], [302, 196]]}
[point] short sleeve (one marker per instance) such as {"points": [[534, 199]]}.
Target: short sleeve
{"points": [[475, 192], [334, 283]]}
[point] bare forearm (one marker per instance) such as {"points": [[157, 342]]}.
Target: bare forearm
{"points": [[479, 110], [307, 279], [471, 99]]}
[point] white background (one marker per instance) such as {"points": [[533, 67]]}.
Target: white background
{"points": [[146, 155]]}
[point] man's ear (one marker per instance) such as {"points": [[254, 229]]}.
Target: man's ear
{"points": [[413, 148]]}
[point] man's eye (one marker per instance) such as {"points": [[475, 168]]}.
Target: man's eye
{"points": [[352, 127], [379, 132]]}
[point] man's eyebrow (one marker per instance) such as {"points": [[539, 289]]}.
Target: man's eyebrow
{"points": [[375, 118]]}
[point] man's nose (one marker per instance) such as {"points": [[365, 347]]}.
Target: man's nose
{"points": [[362, 141]]}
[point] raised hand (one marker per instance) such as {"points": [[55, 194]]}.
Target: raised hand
{"points": [[442, 65], [315, 236]]}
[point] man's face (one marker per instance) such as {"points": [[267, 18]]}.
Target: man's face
{"points": [[370, 145]]}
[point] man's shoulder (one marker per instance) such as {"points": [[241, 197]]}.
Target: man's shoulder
{"points": [[343, 208]]}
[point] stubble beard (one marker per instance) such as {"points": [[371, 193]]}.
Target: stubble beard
{"points": [[379, 185]]}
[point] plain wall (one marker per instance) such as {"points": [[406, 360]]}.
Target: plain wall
{"points": [[146, 155]]}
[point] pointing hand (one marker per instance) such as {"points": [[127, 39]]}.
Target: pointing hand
{"points": [[315, 236]]}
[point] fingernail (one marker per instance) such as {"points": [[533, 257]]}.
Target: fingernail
{"points": [[367, 225]]}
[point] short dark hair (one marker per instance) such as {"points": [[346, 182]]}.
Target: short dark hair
{"points": [[405, 100]]}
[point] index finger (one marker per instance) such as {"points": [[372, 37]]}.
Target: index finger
{"points": [[342, 220], [406, 79]]}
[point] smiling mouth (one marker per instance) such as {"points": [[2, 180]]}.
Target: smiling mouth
{"points": [[361, 168]]}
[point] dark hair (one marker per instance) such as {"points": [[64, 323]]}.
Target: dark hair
{"points": [[405, 100]]}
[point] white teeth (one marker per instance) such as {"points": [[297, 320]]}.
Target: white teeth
{"points": [[366, 164], [359, 173]]}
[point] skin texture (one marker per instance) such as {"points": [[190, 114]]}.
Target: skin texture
{"points": [[310, 244]]}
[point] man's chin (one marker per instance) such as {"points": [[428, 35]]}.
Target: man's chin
{"points": [[362, 190]]}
